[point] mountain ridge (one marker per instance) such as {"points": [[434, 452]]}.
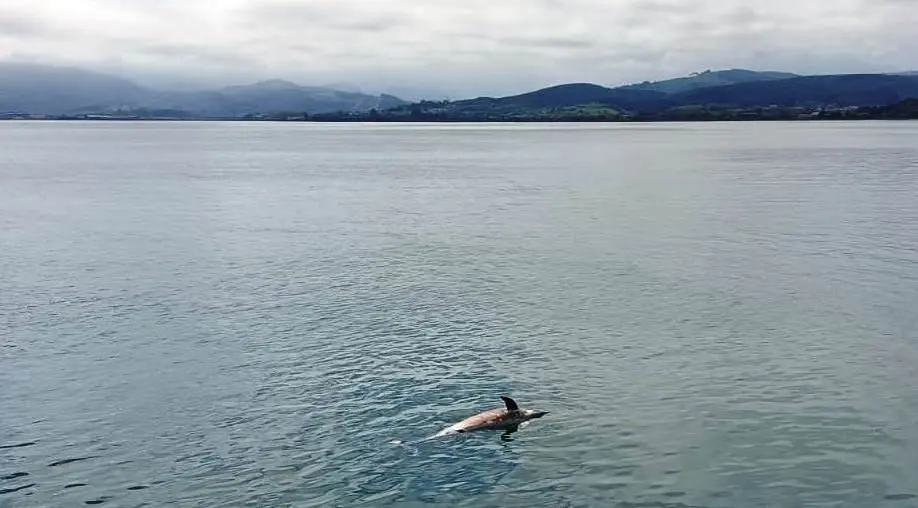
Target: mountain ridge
{"points": [[843, 90], [591, 102], [68, 92], [708, 79]]}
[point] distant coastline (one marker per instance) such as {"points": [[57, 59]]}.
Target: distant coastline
{"points": [[904, 110], [42, 93]]}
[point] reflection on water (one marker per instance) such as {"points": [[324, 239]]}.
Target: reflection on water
{"points": [[237, 314]]}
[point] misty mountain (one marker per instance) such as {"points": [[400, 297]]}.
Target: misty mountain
{"points": [[267, 97], [279, 95], [343, 86], [708, 79], [54, 90], [39, 89]]}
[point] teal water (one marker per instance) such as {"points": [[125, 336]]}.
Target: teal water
{"points": [[208, 314]]}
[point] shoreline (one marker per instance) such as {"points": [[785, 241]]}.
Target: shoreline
{"points": [[460, 121]]}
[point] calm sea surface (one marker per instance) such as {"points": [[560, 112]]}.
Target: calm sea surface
{"points": [[229, 314]]}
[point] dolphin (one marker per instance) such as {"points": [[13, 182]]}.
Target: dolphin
{"points": [[507, 418]]}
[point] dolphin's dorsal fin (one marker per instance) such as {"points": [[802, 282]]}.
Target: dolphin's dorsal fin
{"points": [[511, 404]]}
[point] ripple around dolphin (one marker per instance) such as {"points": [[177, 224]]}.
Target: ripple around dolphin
{"points": [[18, 445]]}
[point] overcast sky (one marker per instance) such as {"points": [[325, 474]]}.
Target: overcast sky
{"points": [[458, 47]]}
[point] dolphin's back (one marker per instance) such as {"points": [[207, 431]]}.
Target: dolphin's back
{"points": [[486, 419]]}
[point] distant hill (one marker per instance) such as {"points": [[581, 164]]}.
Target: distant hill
{"points": [[578, 93], [40, 89], [578, 99], [709, 79], [836, 90], [562, 101], [738, 93], [701, 99]]}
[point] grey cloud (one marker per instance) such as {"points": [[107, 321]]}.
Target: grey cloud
{"points": [[17, 25], [743, 14], [665, 7], [318, 15], [548, 42], [199, 54]]}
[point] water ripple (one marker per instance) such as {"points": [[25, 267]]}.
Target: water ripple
{"points": [[274, 315]]}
